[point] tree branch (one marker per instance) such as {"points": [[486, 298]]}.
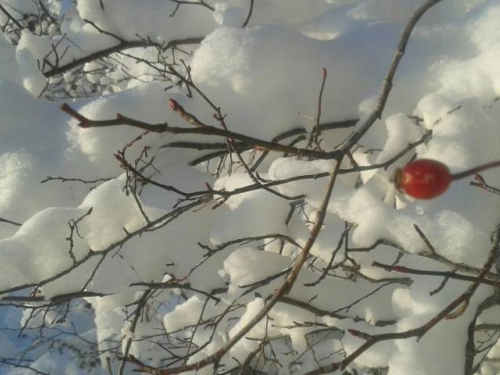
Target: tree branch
{"points": [[118, 48]]}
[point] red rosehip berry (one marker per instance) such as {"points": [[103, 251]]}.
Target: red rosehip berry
{"points": [[427, 179], [423, 179]]}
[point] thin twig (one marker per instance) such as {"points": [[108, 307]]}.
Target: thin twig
{"points": [[450, 275], [140, 306], [2, 220], [245, 24], [420, 331], [9, 16], [315, 134]]}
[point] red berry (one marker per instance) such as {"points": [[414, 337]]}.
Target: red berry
{"points": [[427, 179], [424, 179]]}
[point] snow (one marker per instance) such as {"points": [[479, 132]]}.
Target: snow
{"points": [[8, 64], [246, 66], [236, 248]]}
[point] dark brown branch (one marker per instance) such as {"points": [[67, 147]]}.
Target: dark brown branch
{"points": [[315, 134], [320, 313], [54, 300], [145, 179], [176, 285], [15, 363], [245, 240], [250, 10], [432, 254], [155, 223], [118, 48], [278, 138], [205, 146], [470, 365], [191, 119], [69, 179], [424, 138], [140, 306], [411, 146], [2, 220], [450, 275], [10, 17], [202, 130]]}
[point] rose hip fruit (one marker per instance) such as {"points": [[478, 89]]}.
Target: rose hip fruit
{"points": [[428, 179]]}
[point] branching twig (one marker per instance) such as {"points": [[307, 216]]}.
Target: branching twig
{"points": [[9, 16], [420, 331], [114, 49], [203, 130], [154, 223], [284, 289], [449, 275], [68, 179]]}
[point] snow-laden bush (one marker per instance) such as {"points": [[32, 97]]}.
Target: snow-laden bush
{"points": [[216, 194]]}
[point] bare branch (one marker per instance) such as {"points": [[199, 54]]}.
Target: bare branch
{"points": [[122, 46], [420, 331], [284, 289]]}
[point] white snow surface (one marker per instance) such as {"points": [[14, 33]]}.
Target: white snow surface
{"points": [[101, 237]]}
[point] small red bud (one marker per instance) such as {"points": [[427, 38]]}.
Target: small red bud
{"points": [[173, 104], [359, 334]]}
